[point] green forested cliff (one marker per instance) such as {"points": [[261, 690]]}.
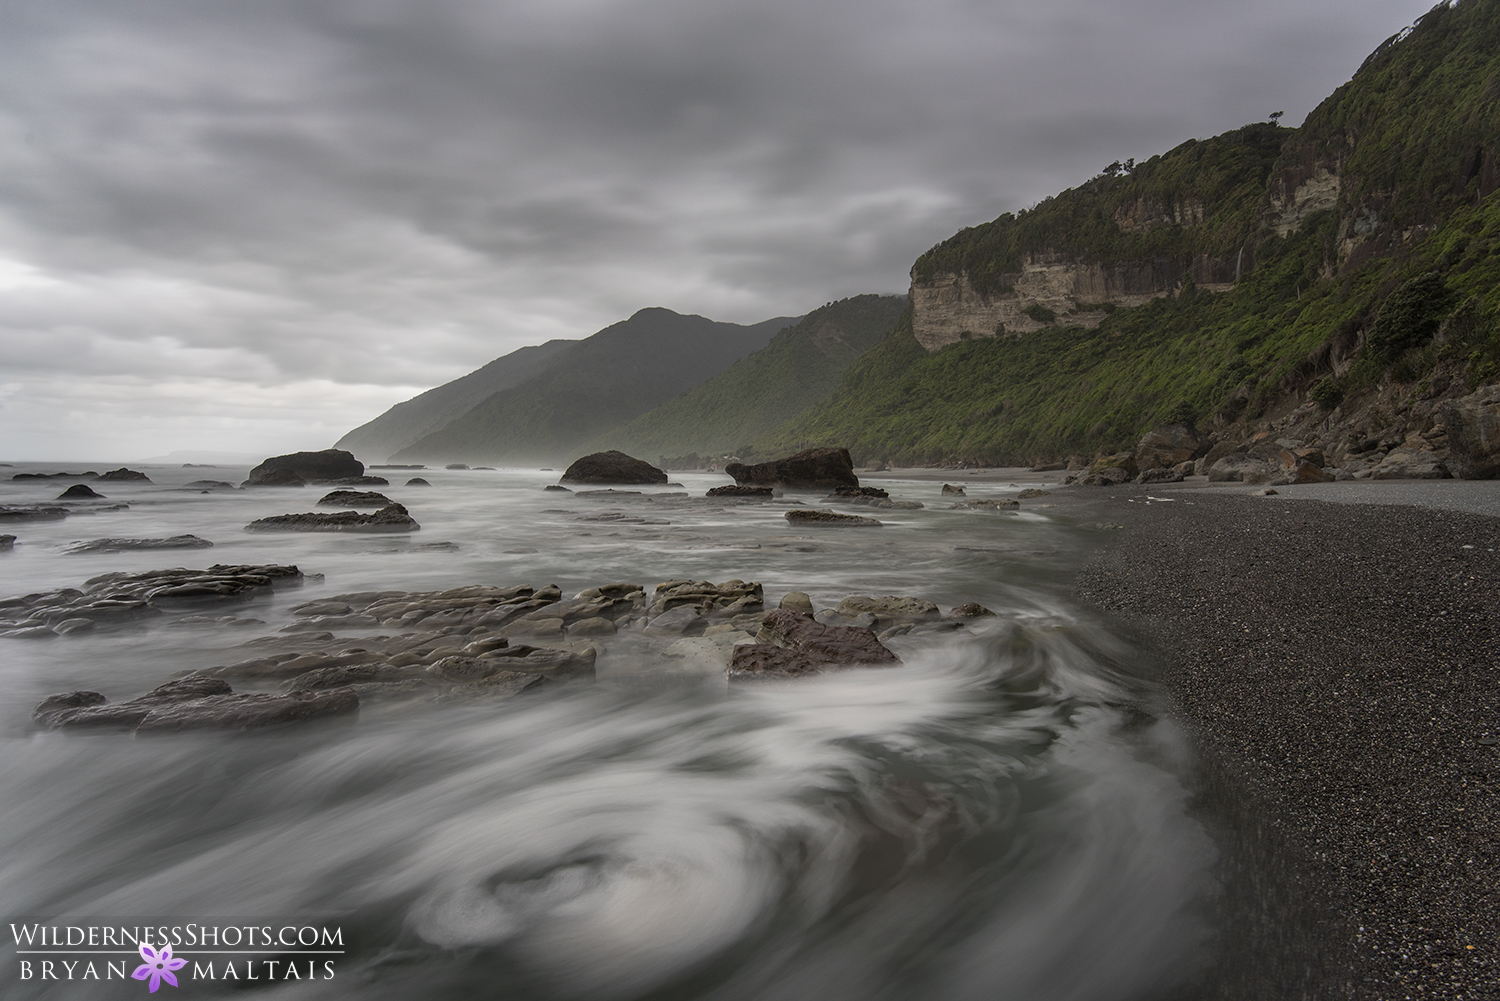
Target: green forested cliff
{"points": [[1367, 243]]}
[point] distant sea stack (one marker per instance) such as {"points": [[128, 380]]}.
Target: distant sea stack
{"points": [[328, 464], [613, 467]]}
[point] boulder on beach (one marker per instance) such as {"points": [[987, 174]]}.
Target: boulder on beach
{"points": [[1473, 426], [80, 491], [1239, 467], [328, 464], [810, 469], [799, 516], [391, 518], [354, 498], [613, 467], [125, 475], [1165, 447]]}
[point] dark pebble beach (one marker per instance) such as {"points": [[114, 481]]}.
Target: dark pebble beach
{"points": [[1338, 668]]}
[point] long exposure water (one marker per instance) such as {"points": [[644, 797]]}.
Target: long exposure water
{"points": [[1001, 816]]}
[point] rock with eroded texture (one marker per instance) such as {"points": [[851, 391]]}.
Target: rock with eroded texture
{"points": [[1473, 426], [391, 518], [810, 469]]}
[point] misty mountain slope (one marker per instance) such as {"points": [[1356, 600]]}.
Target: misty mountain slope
{"points": [[1348, 269], [593, 385], [427, 412], [800, 366]]}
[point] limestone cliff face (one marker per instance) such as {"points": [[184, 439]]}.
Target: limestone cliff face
{"points": [[947, 308]]}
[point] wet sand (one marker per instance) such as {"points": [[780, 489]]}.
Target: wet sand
{"points": [[1338, 665]]}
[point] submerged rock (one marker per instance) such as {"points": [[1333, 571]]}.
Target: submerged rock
{"points": [[79, 491], [417, 481], [191, 704], [811, 469], [32, 513], [327, 464], [208, 485], [391, 518], [735, 490], [354, 498], [829, 519], [613, 467], [7, 543], [123, 545]]}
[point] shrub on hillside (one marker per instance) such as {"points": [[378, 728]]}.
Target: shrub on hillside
{"points": [[1409, 316]]}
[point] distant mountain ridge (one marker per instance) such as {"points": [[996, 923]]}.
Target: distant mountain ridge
{"points": [[419, 416], [591, 386], [799, 367]]}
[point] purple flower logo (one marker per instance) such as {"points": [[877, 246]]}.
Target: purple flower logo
{"points": [[158, 966]]}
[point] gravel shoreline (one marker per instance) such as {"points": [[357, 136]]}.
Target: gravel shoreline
{"points": [[1338, 666]]}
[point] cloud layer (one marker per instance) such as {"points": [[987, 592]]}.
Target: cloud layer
{"points": [[252, 227]]}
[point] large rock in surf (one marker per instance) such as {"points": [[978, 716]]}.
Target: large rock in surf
{"points": [[613, 467], [1473, 426], [792, 644], [80, 491], [810, 469], [329, 464], [391, 518]]}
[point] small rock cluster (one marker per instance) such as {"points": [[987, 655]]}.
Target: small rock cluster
{"points": [[478, 643], [123, 597]]}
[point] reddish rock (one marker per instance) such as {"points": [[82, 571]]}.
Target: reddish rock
{"points": [[792, 644]]}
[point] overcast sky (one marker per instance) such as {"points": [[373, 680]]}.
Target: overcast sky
{"points": [[251, 227]]}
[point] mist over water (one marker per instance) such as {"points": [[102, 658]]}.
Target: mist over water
{"points": [[1002, 816]]}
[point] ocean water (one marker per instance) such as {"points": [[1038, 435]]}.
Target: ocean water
{"points": [[1003, 816]]}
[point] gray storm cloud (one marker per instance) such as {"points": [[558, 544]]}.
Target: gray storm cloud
{"points": [[251, 227]]}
